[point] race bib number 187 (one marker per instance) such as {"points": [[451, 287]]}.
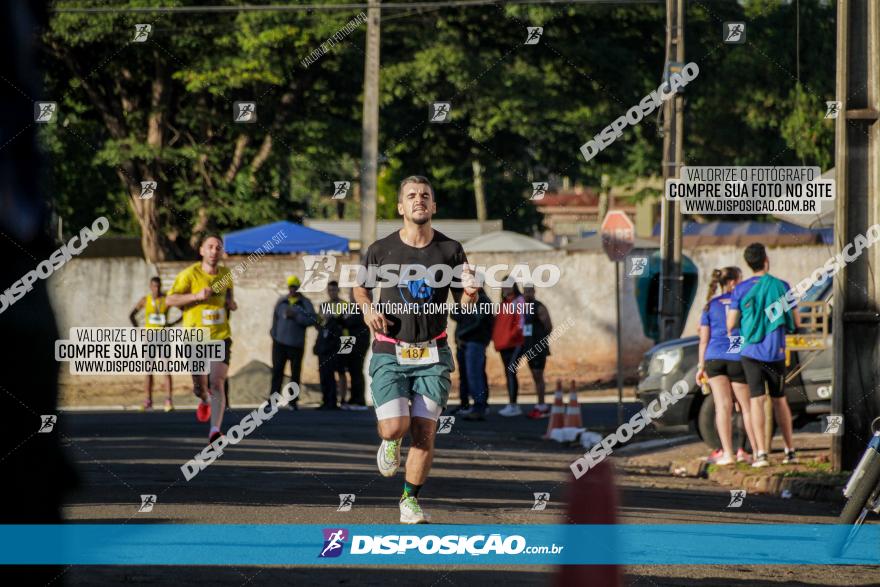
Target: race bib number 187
{"points": [[421, 353]]}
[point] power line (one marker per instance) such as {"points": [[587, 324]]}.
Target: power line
{"points": [[329, 7]]}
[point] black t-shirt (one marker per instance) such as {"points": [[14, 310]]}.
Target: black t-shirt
{"points": [[399, 302], [538, 329]]}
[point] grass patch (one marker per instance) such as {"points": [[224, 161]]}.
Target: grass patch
{"points": [[819, 475], [805, 469]]}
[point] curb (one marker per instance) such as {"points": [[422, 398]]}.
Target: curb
{"points": [[656, 443], [775, 483]]}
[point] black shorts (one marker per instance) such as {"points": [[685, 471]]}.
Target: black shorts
{"points": [[760, 372], [731, 369], [538, 362], [227, 345]]}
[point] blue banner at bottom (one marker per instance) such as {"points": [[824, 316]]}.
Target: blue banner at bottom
{"points": [[232, 544]]}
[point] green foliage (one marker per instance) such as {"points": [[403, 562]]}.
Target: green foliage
{"points": [[808, 135], [181, 83], [522, 111]]}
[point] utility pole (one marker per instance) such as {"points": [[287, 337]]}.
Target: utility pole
{"points": [[856, 320], [670, 213], [370, 149]]}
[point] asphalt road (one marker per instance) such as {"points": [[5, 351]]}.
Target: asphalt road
{"points": [[292, 469]]}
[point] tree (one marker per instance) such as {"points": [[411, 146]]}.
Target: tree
{"points": [[162, 110]]}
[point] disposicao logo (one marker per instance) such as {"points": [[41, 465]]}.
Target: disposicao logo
{"points": [[334, 541], [431, 544]]}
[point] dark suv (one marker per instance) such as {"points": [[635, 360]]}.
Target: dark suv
{"points": [[808, 393]]}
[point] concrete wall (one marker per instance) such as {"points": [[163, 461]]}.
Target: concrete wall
{"points": [[101, 292]]}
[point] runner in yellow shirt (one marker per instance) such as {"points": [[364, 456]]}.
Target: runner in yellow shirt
{"points": [[204, 292], [155, 316]]}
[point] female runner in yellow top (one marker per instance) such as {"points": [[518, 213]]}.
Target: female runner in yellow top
{"points": [[155, 316]]}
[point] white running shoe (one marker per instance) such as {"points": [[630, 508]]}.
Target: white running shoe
{"points": [[510, 410], [761, 460], [411, 512], [725, 460], [388, 457]]}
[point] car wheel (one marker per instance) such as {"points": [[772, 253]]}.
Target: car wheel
{"points": [[706, 423]]}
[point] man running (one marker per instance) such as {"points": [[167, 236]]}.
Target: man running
{"points": [[204, 292], [412, 362]]}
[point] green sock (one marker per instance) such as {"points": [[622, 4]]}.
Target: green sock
{"points": [[410, 490]]}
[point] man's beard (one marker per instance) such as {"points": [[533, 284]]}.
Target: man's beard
{"points": [[421, 221]]}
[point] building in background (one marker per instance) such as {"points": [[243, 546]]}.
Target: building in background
{"points": [[571, 215], [504, 241]]}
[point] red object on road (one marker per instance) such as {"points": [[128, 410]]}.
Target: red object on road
{"points": [[593, 500], [618, 235]]}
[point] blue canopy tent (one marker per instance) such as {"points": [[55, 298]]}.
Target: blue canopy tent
{"points": [[295, 238]]}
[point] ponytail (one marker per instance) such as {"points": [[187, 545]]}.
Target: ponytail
{"points": [[717, 275], [721, 277]]}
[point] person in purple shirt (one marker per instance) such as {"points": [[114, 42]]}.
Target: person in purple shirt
{"points": [[763, 361], [720, 364]]}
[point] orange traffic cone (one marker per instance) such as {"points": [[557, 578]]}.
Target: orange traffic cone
{"points": [[557, 412], [573, 411]]}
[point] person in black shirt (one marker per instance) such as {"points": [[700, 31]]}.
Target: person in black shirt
{"points": [[411, 364], [328, 346], [536, 329], [472, 335], [354, 361]]}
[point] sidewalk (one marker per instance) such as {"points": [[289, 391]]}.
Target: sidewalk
{"points": [[811, 478]]}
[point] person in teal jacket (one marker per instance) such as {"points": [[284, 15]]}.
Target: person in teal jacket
{"points": [[763, 349]]}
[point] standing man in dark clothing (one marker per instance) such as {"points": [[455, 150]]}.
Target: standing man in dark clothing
{"points": [[293, 314], [464, 390], [472, 336], [328, 345], [536, 327], [763, 348], [354, 361]]}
